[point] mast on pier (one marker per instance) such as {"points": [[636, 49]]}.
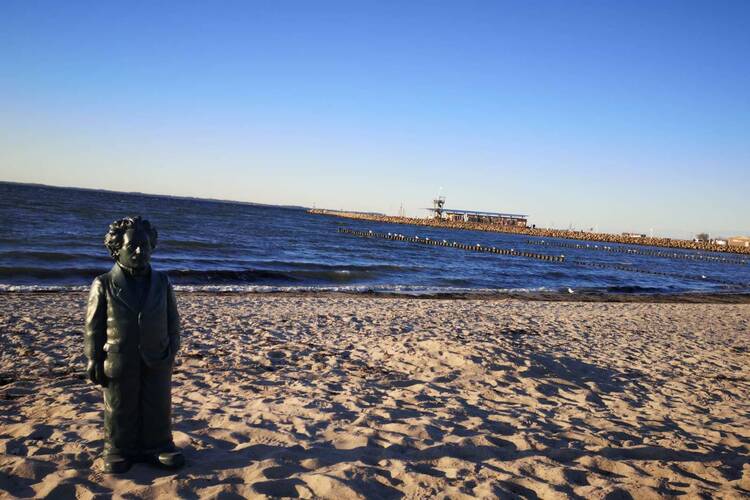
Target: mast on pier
{"points": [[437, 206]]}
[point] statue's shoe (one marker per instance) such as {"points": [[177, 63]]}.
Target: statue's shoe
{"points": [[116, 464], [171, 458]]}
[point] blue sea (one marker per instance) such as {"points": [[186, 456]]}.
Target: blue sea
{"points": [[52, 238]]}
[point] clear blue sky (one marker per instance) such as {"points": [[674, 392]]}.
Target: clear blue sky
{"points": [[614, 115]]}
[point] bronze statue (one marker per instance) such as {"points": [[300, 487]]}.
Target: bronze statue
{"points": [[132, 337]]}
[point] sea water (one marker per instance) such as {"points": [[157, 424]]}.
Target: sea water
{"points": [[52, 238]]}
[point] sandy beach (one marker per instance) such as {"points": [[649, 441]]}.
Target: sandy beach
{"points": [[350, 396]]}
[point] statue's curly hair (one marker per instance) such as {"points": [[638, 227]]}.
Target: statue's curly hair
{"points": [[113, 238]]}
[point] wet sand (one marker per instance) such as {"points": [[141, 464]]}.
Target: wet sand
{"points": [[356, 396]]}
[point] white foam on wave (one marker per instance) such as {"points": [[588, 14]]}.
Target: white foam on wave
{"points": [[391, 289], [43, 288], [394, 289]]}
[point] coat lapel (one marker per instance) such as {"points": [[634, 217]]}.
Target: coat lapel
{"points": [[121, 289], [153, 293]]}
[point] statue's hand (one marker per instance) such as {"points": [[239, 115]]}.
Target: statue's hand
{"points": [[95, 372]]}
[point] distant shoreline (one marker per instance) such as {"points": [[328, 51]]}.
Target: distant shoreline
{"points": [[155, 195], [539, 232]]}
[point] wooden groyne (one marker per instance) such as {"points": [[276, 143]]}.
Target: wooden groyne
{"points": [[531, 255], [453, 244], [544, 233], [639, 251]]}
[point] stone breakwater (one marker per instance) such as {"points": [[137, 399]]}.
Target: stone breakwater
{"points": [[545, 233]]}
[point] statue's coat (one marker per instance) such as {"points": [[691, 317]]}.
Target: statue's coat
{"points": [[136, 344]]}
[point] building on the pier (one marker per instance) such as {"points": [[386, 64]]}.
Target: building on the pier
{"points": [[739, 241], [440, 212], [501, 219]]}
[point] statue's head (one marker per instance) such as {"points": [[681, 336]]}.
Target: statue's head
{"points": [[130, 242]]}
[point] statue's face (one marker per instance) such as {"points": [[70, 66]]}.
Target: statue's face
{"points": [[136, 249]]}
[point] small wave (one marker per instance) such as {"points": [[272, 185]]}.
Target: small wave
{"points": [[42, 288], [556, 274], [50, 273], [51, 256], [311, 275], [323, 266], [222, 263], [273, 276], [638, 289], [173, 244]]}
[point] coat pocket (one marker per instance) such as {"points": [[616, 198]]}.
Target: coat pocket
{"points": [[165, 357], [113, 363]]}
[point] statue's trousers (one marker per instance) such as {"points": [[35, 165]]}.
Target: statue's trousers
{"points": [[137, 410]]}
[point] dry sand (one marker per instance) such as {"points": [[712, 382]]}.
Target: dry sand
{"points": [[342, 397]]}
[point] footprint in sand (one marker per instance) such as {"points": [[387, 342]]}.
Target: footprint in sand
{"points": [[287, 488]]}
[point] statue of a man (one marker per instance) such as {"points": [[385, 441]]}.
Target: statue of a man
{"points": [[132, 336]]}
